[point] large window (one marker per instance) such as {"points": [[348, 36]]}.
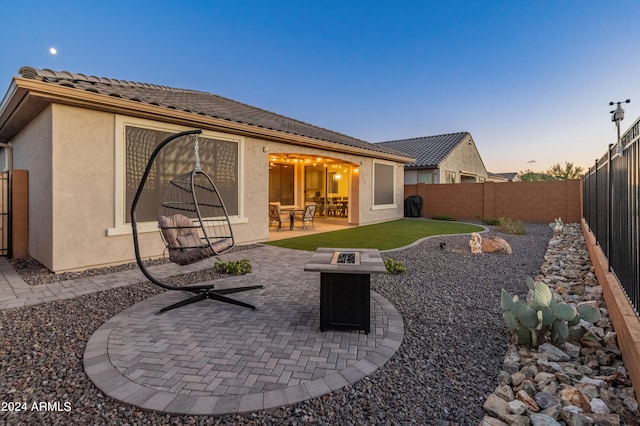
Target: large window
{"points": [[383, 184], [218, 158], [425, 177]]}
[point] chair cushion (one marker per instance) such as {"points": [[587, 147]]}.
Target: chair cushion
{"points": [[183, 242], [191, 240], [222, 245], [172, 226]]}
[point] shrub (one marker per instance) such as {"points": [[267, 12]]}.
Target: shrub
{"points": [[491, 222], [394, 267], [557, 225], [444, 217], [233, 267], [511, 226]]}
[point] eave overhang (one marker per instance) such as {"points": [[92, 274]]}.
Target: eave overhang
{"points": [[26, 98]]}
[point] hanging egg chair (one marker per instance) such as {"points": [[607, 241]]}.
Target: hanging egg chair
{"points": [[193, 223]]}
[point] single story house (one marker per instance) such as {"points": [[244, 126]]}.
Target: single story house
{"points": [[85, 142], [503, 177], [450, 158]]}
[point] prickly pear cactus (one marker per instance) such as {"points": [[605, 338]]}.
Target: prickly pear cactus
{"points": [[541, 318]]}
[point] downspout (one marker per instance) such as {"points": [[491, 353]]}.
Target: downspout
{"points": [[9, 152]]}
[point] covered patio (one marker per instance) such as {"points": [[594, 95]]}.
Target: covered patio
{"points": [[330, 183], [319, 226]]}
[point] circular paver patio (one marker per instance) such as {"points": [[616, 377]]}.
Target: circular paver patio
{"points": [[212, 358]]}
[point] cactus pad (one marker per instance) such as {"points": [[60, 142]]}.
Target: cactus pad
{"points": [[542, 294], [511, 320], [589, 313], [506, 300], [564, 311], [527, 316], [560, 331]]}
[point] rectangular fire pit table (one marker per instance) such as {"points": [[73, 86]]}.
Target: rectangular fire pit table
{"points": [[345, 276]]}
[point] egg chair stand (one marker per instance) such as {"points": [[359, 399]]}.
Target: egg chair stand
{"points": [[194, 225]]}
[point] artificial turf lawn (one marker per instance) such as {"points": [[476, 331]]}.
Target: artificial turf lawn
{"points": [[382, 236]]}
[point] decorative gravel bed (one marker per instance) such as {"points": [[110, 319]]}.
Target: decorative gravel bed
{"points": [[453, 349], [33, 273]]}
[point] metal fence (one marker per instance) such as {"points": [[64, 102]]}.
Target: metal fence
{"points": [[611, 209]]}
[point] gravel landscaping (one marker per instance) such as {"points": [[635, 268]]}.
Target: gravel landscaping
{"points": [[453, 349]]}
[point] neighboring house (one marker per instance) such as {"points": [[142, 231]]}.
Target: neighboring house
{"points": [[85, 141], [450, 158], [503, 177]]}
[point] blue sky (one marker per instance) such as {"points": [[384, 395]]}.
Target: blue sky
{"points": [[530, 80]]}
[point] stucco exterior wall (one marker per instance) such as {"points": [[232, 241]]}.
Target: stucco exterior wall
{"points": [[369, 213], [71, 155], [83, 188], [32, 149], [464, 158]]}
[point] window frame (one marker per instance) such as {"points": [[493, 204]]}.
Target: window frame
{"points": [[392, 205], [120, 226], [449, 173]]}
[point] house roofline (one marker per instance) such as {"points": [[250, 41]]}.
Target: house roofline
{"points": [[36, 95], [473, 143]]}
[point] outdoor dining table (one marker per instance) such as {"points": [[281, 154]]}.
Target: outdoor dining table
{"points": [[292, 211]]}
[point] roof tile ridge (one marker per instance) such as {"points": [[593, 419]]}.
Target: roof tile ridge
{"points": [[45, 73], [462, 134]]}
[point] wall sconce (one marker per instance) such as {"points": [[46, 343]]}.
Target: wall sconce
{"points": [[265, 149], [337, 176]]}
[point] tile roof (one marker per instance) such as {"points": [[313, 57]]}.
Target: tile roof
{"points": [[429, 151], [197, 102], [509, 176]]}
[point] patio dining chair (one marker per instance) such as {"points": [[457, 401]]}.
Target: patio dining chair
{"points": [[277, 216], [306, 215]]}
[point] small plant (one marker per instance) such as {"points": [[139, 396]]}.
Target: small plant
{"points": [[394, 267], [233, 267], [444, 217], [511, 226], [557, 225], [491, 222], [543, 319]]}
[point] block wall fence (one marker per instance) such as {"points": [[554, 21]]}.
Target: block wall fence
{"points": [[533, 202]]}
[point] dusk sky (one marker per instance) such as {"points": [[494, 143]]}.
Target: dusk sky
{"points": [[530, 80]]}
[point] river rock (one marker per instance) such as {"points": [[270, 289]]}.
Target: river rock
{"points": [[582, 382]]}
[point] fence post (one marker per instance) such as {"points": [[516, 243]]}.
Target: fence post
{"points": [[609, 207]]}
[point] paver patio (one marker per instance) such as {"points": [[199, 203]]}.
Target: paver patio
{"points": [[213, 358]]}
